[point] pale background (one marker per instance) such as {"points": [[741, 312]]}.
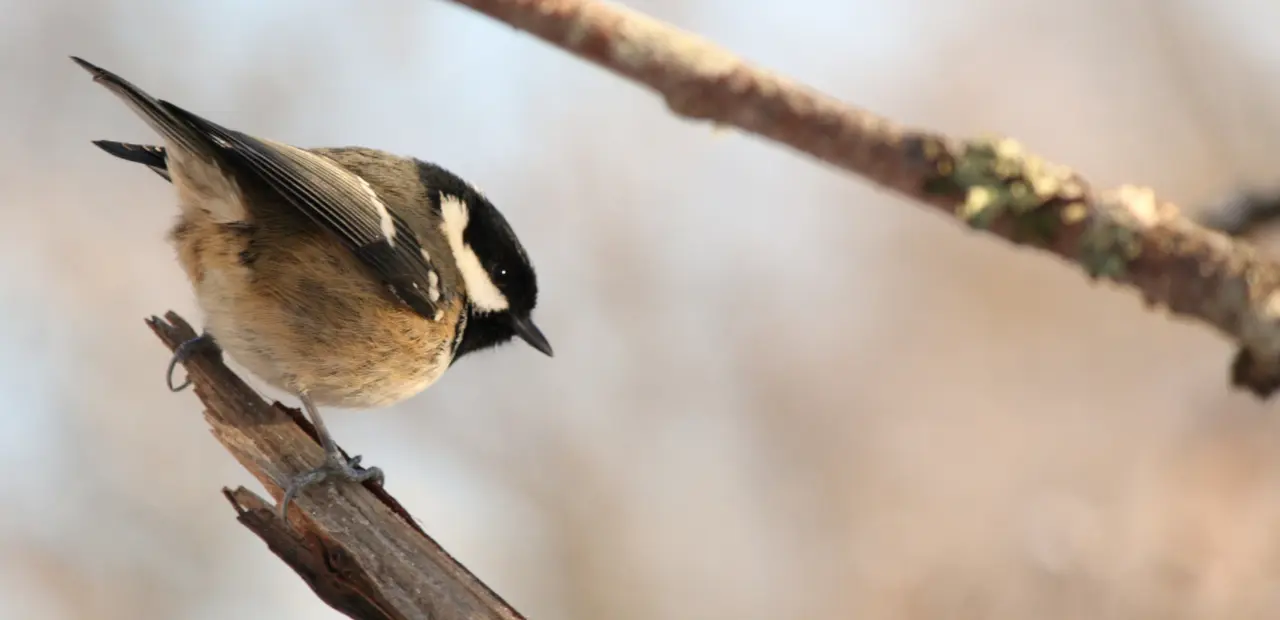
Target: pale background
{"points": [[777, 392]]}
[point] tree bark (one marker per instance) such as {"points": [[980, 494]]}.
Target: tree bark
{"points": [[356, 546]]}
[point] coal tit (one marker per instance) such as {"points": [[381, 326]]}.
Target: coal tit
{"points": [[348, 276]]}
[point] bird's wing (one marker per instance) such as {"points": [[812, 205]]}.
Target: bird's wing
{"points": [[333, 197]]}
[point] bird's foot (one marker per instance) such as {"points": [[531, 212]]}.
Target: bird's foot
{"points": [[183, 353], [334, 469]]}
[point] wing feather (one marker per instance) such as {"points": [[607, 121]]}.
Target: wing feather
{"points": [[333, 197]]}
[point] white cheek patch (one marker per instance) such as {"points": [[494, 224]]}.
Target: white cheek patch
{"points": [[481, 290]]}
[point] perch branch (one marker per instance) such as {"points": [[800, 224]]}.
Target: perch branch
{"points": [[1125, 235], [357, 548]]}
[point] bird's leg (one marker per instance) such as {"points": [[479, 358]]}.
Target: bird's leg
{"points": [[335, 467], [184, 353]]}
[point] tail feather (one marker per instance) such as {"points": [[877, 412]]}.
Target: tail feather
{"points": [[175, 131], [153, 157]]}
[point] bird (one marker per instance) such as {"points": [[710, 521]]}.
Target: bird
{"points": [[350, 277]]}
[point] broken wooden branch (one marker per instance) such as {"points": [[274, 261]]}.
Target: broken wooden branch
{"points": [[359, 550]]}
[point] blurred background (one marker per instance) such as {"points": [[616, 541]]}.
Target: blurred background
{"points": [[777, 392]]}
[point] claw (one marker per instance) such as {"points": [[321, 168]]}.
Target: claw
{"points": [[184, 353], [333, 469]]}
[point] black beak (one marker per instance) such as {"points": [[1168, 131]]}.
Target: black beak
{"points": [[531, 334]]}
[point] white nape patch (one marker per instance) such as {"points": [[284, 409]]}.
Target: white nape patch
{"points": [[384, 215], [481, 290], [433, 286]]}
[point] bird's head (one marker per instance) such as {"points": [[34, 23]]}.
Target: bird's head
{"points": [[501, 286]]}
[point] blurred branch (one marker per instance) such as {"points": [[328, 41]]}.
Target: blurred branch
{"points": [[357, 548], [1244, 213], [1126, 235]]}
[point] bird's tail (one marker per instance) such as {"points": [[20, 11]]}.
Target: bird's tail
{"points": [[155, 112], [153, 157]]}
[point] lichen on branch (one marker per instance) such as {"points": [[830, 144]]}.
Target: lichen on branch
{"points": [[1124, 235]]}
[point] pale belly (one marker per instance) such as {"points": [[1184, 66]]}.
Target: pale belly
{"points": [[374, 355], [300, 313]]}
